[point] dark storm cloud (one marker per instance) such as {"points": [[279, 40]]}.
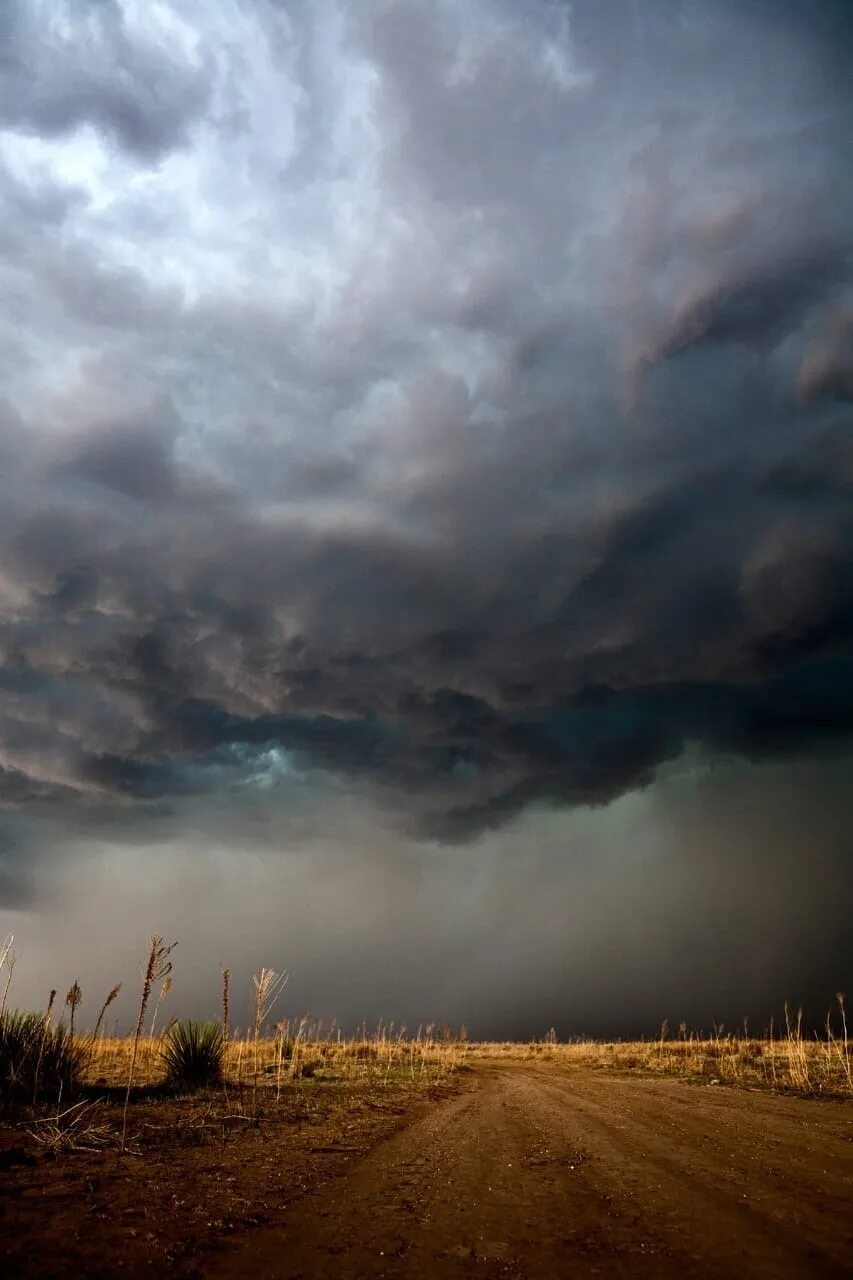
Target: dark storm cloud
{"points": [[477, 435], [63, 66], [689, 900], [131, 459], [757, 308], [827, 368]]}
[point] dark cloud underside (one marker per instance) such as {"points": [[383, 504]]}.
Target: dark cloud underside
{"points": [[448, 403]]}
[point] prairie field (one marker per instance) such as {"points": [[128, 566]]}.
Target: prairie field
{"points": [[287, 1148], [789, 1063]]}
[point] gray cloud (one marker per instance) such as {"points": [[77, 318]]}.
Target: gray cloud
{"points": [[448, 404], [65, 66], [688, 900], [827, 367]]}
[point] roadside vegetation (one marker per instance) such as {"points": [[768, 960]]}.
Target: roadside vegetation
{"points": [[47, 1065], [785, 1058], [170, 1142], [92, 1089]]}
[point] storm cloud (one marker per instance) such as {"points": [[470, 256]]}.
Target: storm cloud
{"points": [[445, 406]]}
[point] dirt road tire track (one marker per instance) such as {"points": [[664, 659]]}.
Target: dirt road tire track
{"points": [[540, 1173]]}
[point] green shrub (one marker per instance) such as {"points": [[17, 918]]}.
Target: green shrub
{"points": [[194, 1053], [37, 1059]]}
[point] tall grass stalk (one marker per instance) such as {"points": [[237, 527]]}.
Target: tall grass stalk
{"points": [[842, 1046], [111, 995], [268, 985], [72, 1002], [159, 966], [226, 1008], [164, 991], [279, 1027], [7, 958], [45, 1027]]}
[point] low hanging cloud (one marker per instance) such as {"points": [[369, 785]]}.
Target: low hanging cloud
{"points": [[690, 900], [451, 401]]}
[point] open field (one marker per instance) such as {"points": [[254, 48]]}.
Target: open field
{"points": [[276, 1061], [789, 1060], [532, 1163], [289, 1149]]}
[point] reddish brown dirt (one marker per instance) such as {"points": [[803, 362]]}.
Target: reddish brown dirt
{"points": [[532, 1171], [537, 1173], [198, 1184]]}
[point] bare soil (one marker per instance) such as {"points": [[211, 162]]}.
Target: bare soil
{"points": [[198, 1179], [526, 1170]]}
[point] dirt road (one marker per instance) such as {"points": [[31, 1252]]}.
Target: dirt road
{"points": [[540, 1173]]}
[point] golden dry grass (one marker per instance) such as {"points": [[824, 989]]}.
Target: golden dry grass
{"points": [[786, 1057], [277, 1060], [790, 1062]]}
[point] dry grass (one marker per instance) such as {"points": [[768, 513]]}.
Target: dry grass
{"points": [[787, 1060], [786, 1057], [295, 1052], [74, 1129]]}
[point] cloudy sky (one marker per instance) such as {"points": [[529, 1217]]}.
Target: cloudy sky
{"points": [[426, 536]]}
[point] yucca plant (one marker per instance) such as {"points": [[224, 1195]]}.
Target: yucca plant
{"points": [[194, 1054], [37, 1059]]}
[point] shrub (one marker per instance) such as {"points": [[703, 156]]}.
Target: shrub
{"points": [[37, 1060], [194, 1053]]}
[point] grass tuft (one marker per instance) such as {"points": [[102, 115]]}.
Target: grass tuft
{"points": [[194, 1055], [37, 1060]]}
